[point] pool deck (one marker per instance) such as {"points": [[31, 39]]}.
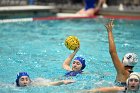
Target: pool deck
{"points": [[127, 11], [23, 11], [110, 11], [25, 8]]}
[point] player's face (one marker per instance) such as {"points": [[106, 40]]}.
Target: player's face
{"points": [[133, 84], [76, 66], [24, 81]]}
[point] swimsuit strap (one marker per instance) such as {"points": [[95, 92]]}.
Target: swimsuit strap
{"points": [[125, 89], [120, 84], [73, 73], [130, 71]]}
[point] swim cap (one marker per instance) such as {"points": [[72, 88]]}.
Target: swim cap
{"points": [[130, 59], [19, 75], [82, 60], [134, 75]]}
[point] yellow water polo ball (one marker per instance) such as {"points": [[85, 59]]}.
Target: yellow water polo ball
{"points": [[72, 42]]}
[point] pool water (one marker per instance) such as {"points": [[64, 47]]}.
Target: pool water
{"points": [[38, 48]]}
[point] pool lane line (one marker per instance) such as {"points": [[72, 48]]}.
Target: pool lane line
{"points": [[63, 18], [16, 20], [60, 18]]}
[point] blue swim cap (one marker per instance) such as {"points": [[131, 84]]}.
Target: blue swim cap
{"points": [[19, 75], [82, 60]]}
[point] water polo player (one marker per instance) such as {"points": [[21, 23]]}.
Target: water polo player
{"points": [[132, 86], [77, 66], [23, 80], [133, 83], [124, 68]]}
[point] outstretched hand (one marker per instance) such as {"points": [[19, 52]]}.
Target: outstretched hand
{"points": [[109, 26], [68, 81]]}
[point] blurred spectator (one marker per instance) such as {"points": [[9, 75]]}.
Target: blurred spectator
{"points": [[90, 9], [128, 3], [121, 7], [104, 4], [31, 2], [136, 2], [76, 1], [131, 2]]}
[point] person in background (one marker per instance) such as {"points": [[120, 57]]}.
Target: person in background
{"points": [[77, 66], [90, 8], [124, 68], [23, 79], [132, 86], [104, 4]]}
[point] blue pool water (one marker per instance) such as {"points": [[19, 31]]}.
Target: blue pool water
{"points": [[38, 48]]}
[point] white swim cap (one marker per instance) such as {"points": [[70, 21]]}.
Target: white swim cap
{"points": [[133, 75], [130, 59]]}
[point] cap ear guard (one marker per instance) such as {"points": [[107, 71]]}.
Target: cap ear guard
{"points": [[130, 59]]}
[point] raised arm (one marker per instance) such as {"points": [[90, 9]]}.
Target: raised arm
{"points": [[42, 82], [66, 64], [112, 48]]}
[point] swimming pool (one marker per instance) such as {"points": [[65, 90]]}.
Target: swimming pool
{"points": [[38, 48]]}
